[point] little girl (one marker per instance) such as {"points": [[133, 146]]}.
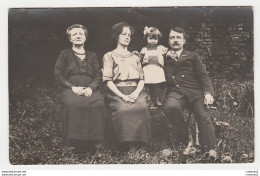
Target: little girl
{"points": [[153, 62]]}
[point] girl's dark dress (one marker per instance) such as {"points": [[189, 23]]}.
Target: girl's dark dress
{"points": [[82, 117]]}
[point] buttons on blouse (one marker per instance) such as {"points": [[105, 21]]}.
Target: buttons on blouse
{"points": [[173, 76], [182, 76], [177, 85]]}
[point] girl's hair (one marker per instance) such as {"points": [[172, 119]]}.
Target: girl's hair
{"points": [[77, 26], [117, 30], [152, 32]]}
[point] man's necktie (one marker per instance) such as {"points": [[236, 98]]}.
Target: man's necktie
{"points": [[175, 56]]}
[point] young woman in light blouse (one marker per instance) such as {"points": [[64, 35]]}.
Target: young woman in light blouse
{"points": [[123, 75]]}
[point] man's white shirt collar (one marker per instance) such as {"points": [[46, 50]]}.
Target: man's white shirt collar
{"points": [[179, 52]]}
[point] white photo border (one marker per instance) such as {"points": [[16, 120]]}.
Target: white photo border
{"points": [[4, 151]]}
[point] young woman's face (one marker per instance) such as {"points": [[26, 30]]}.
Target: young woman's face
{"points": [[77, 36], [125, 37], [152, 40]]}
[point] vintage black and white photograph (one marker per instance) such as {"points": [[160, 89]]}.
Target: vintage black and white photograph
{"points": [[131, 85]]}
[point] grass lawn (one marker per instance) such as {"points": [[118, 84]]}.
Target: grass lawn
{"points": [[35, 135]]}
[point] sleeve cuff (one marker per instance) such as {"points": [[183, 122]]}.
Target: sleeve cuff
{"points": [[208, 93], [92, 88], [106, 79], [68, 84]]}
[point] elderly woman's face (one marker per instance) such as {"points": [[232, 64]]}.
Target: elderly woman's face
{"points": [[77, 36], [125, 37]]}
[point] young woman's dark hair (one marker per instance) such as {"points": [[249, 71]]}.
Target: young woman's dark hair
{"points": [[117, 30]]}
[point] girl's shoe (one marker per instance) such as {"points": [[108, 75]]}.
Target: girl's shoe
{"points": [[158, 102]]}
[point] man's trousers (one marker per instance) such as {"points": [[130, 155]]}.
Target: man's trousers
{"points": [[174, 112]]}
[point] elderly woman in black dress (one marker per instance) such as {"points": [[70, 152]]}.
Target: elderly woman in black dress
{"points": [[78, 72], [123, 75]]}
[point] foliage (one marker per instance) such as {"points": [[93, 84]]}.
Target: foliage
{"points": [[236, 96], [36, 131], [223, 37]]}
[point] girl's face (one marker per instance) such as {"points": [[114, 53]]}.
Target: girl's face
{"points": [[77, 36], [152, 40], [125, 37]]}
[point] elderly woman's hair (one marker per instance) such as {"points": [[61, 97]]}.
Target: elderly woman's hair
{"points": [[153, 33], [179, 30], [117, 30], [77, 26]]}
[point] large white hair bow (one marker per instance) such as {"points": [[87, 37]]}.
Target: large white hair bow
{"points": [[147, 30]]}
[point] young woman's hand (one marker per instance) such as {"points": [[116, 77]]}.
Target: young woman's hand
{"points": [[134, 95], [127, 99]]}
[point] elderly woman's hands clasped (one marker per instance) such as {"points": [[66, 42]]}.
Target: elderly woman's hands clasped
{"points": [[82, 91]]}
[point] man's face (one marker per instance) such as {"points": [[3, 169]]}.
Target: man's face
{"points": [[176, 40]]}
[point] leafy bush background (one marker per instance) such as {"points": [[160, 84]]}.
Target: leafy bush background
{"points": [[222, 36]]}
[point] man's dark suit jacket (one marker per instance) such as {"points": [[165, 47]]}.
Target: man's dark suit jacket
{"points": [[187, 77]]}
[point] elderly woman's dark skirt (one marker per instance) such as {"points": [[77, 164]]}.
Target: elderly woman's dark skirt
{"points": [[131, 122], [83, 117]]}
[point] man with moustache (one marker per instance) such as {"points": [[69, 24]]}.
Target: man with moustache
{"points": [[188, 87]]}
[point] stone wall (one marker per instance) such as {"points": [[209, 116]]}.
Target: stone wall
{"points": [[226, 50]]}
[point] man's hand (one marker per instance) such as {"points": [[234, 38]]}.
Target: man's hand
{"points": [[88, 92], [208, 99]]}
